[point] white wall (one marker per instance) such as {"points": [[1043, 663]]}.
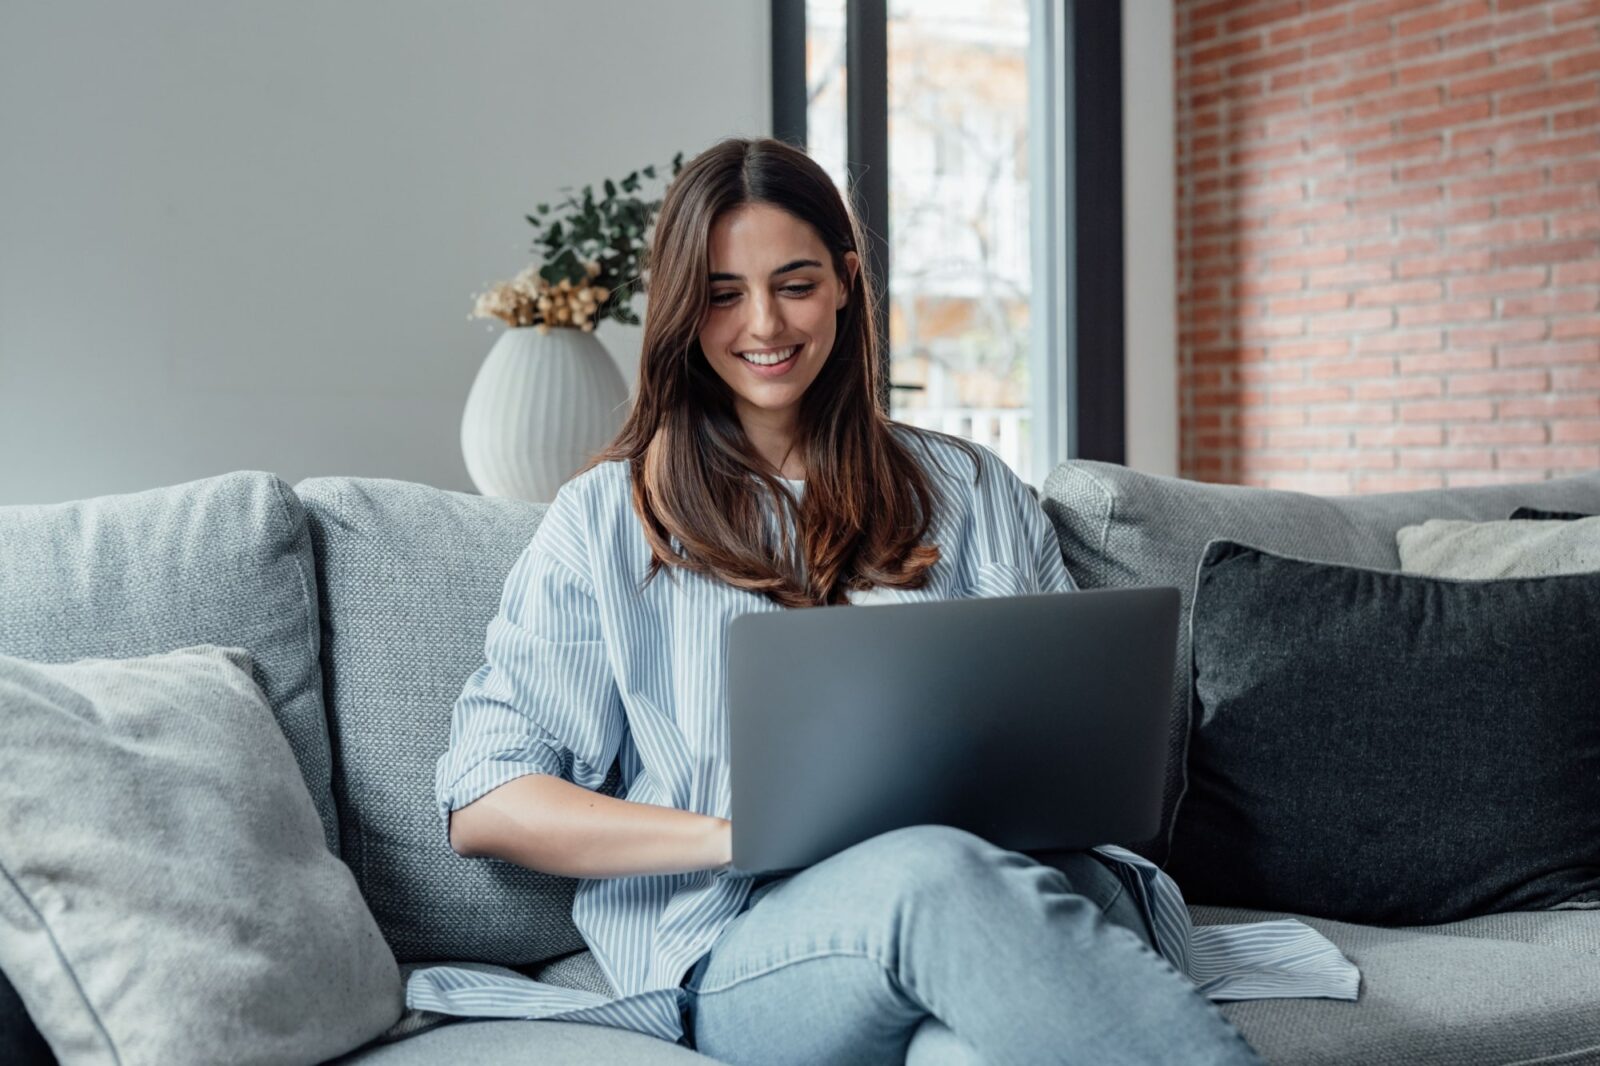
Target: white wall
{"points": [[1149, 240], [247, 236]]}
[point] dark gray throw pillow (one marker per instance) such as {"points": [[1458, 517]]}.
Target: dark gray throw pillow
{"points": [[1535, 514], [1389, 748]]}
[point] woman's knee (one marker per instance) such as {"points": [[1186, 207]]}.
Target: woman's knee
{"points": [[927, 861], [925, 857]]}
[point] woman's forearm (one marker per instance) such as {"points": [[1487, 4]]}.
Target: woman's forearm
{"points": [[552, 825]]}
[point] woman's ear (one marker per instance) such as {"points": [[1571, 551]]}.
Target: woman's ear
{"points": [[852, 263]]}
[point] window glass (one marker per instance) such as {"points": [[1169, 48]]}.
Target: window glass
{"points": [[958, 220], [825, 87], [959, 256]]}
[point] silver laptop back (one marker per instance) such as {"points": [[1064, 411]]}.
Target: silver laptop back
{"points": [[1037, 722]]}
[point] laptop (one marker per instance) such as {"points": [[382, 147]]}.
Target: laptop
{"points": [[1038, 722]]}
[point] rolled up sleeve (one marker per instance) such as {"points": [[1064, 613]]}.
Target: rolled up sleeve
{"points": [[545, 700]]}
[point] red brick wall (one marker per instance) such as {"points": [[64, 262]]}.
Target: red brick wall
{"points": [[1388, 241]]}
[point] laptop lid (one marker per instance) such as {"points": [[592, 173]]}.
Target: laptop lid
{"points": [[1037, 722]]}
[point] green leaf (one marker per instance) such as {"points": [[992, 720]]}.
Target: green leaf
{"points": [[544, 209], [650, 171], [611, 190]]}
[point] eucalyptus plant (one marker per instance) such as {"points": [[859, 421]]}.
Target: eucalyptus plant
{"points": [[608, 231], [591, 250]]}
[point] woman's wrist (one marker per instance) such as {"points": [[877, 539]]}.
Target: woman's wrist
{"points": [[723, 838]]}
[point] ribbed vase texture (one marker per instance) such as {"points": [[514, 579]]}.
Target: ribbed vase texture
{"points": [[540, 406]]}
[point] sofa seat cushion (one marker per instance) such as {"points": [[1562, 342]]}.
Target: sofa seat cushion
{"points": [[1518, 987], [1119, 527], [410, 577], [223, 560], [513, 1042]]}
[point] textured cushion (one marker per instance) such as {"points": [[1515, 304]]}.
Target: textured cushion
{"points": [[225, 560], [410, 578], [1443, 547], [1119, 527], [166, 890], [1508, 988], [1385, 747]]}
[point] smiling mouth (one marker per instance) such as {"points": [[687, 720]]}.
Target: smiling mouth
{"points": [[770, 358]]}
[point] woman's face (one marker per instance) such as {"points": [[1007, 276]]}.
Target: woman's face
{"points": [[773, 289]]}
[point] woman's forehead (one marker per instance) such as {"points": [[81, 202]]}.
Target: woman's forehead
{"points": [[759, 238]]}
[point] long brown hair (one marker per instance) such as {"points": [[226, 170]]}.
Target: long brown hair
{"points": [[696, 476]]}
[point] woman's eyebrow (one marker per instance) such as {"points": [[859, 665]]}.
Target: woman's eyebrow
{"points": [[795, 265]]}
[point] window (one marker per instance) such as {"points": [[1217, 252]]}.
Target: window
{"points": [[960, 283], [975, 108]]}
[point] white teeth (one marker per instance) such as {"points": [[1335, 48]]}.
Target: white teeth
{"points": [[768, 360]]}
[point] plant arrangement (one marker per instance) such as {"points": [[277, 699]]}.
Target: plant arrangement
{"points": [[591, 254]]}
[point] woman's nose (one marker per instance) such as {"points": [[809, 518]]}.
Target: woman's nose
{"points": [[765, 322]]}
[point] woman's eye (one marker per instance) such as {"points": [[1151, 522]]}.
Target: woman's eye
{"points": [[723, 298]]}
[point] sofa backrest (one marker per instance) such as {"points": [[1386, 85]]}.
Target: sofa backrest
{"points": [[1122, 528], [224, 560], [365, 603], [410, 578]]}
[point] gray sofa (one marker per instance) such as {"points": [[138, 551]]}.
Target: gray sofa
{"points": [[364, 603]]}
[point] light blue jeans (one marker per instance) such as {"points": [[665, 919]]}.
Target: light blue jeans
{"points": [[929, 945]]}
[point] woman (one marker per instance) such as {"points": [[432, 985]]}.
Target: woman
{"points": [[757, 471]]}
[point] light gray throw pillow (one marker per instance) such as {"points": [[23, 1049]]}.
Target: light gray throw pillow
{"points": [[166, 891], [1484, 550]]}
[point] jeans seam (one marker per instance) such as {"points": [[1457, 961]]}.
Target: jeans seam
{"points": [[819, 953]]}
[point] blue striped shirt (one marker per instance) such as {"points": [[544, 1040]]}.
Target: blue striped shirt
{"points": [[583, 668]]}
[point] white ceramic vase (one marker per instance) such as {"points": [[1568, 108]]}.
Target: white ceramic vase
{"points": [[540, 406]]}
